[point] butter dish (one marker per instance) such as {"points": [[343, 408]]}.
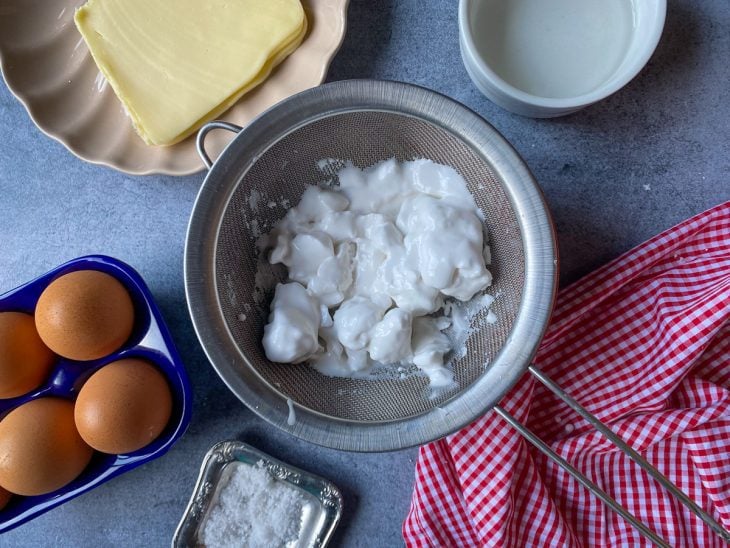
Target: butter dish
{"points": [[71, 101]]}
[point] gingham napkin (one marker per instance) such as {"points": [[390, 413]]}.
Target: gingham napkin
{"points": [[644, 344]]}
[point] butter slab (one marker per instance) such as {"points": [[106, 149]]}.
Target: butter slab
{"points": [[175, 64]]}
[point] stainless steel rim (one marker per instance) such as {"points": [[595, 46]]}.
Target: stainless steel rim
{"points": [[369, 95]]}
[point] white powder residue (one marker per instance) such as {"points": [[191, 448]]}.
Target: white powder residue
{"points": [[327, 165], [256, 224], [254, 510], [254, 227], [230, 291], [253, 199]]}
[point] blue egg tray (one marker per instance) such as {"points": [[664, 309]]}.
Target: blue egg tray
{"points": [[150, 341]]}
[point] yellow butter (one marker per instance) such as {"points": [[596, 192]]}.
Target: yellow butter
{"points": [[175, 64]]}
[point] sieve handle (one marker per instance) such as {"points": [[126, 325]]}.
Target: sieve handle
{"points": [[631, 453], [203, 132]]}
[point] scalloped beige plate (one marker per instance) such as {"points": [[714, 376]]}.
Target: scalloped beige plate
{"points": [[47, 66]]}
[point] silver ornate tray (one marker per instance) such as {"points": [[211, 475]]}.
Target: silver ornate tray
{"points": [[320, 514]]}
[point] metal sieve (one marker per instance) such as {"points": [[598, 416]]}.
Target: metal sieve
{"points": [[268, 166], [228, 283]]}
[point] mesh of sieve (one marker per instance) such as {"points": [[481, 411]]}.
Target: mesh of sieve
{"points": [[278, 177]]}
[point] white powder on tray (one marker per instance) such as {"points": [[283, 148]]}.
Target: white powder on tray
{"points": [[254, 510]]}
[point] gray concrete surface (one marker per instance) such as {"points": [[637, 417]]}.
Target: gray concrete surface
{"points": [[614, 175]]}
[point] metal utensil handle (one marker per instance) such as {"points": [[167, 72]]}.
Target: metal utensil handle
{"points": [[631, 453], [607, 499], [203, 132]]}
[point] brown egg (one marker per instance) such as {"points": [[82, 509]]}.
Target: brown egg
{"points": [[4, 497], [40, 448], [123, 406], [84, 315], [25, 361]]}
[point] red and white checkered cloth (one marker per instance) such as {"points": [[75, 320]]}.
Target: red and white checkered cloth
{"points": [[644, 344]]}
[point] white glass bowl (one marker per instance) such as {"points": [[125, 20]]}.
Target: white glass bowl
{"points": [[644, 34]]}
